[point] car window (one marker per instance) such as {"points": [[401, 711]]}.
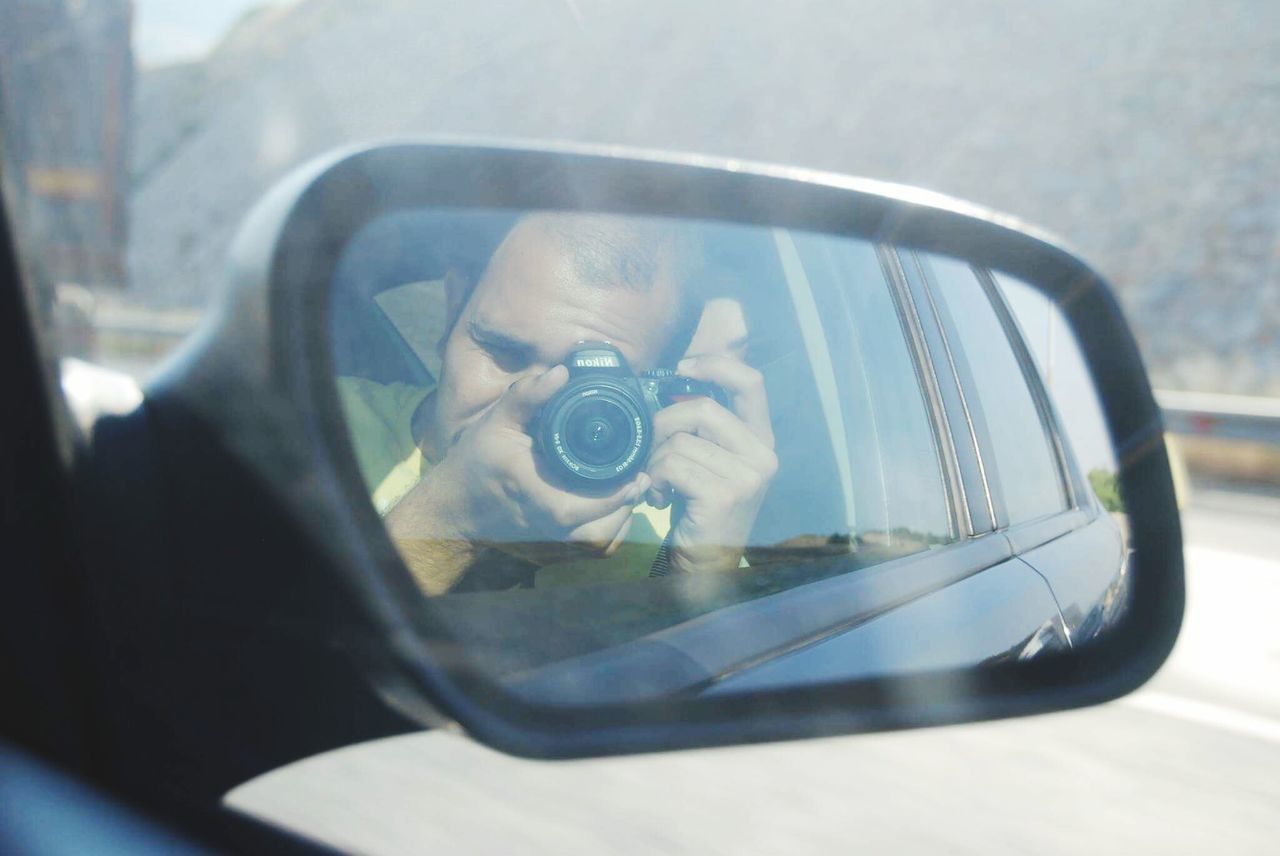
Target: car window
{"points": [[1022, 464], [1067, 380], [899, 492]]}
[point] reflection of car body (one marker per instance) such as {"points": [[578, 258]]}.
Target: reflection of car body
{"points": [[1013, 555]]}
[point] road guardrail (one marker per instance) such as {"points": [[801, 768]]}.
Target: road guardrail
{"points": [[1227, 417]]}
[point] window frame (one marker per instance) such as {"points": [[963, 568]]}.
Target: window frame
{"points": [[1078, 492], [913, 331], [981, 504], [1078, 509]]}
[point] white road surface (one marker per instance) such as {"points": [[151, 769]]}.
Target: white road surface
{"points": [[1189, 764]]}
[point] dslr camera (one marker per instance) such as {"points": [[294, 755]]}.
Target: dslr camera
{"points": [[598, 429]]}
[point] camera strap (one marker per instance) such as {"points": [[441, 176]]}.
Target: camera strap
{"points": [[662, 562]]}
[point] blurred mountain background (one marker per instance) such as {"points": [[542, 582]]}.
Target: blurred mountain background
{"points": [[1146, 134]]}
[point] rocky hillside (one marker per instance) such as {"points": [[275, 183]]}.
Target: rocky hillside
{"points": [[1146, 133]]}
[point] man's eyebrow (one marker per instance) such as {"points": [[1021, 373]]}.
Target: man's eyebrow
{"points": [[489, 338]]}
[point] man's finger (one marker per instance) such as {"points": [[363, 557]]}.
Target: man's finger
{"points": [[703, 417], [709, 454], [744, 384], [521, 401], [566, 511], [673, 471]]}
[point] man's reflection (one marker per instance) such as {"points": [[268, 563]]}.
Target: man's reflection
{"points": [[455, 470]]}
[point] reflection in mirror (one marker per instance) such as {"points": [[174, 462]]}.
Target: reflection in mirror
{"points": [[1063, 372], [627, 457]]}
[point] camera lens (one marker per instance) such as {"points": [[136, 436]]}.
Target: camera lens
{"points": [[595, 431], [598, 432]]}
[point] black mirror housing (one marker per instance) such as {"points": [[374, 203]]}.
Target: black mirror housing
{"points": [[259, 383]]}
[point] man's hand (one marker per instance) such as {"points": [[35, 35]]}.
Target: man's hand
{"points": [[487, 491], [717, 462]]}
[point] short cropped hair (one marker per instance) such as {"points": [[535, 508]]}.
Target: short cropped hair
{"points": [[630, 252], [610, 251]]}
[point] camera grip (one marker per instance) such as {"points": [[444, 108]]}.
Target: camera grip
{"points": [[679, 388]]}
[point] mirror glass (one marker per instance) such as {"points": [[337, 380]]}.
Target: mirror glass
{"points": [[627, 457]]}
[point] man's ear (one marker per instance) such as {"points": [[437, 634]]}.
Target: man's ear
{"points": [[457, 290]]}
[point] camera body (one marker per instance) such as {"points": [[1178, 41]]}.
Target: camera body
{"points": [[597, 430]]}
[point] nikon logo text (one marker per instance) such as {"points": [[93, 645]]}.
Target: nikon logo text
{"points": [[596, 362]]}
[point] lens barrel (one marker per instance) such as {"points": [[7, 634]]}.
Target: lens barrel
{"points": [[596, 431]]}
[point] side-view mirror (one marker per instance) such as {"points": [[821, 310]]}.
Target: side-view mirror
{"points": [[595, 452]]}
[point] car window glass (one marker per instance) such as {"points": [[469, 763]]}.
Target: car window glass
{"points": [[1022, 463], [1066, 378], [893, 452]]}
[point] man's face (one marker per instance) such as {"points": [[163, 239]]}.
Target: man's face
{"points": [[527, 313]]}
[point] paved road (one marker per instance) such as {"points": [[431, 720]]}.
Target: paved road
{"points": [[1186, 765]]}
